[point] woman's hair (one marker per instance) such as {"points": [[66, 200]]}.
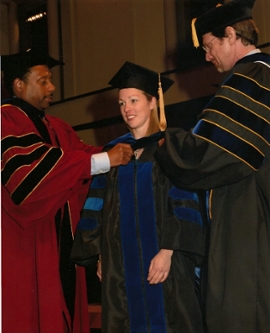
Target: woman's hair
{"points": [[246, 30], [154, 120]]}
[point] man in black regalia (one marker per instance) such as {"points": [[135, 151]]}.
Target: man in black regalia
{"points": [[228, 153]]}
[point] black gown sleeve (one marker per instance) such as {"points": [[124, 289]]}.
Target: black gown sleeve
{"points": [[231, 138]]}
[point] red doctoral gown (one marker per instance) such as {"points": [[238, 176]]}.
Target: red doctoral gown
{"points": [[39, 179]]}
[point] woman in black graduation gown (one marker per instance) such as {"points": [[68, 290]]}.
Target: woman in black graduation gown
{"points": [[148, 233]]}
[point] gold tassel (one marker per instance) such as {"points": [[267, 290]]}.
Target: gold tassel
{"points": [[162, 117], [194, 33]]}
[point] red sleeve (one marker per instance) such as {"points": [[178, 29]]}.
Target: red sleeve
{"points": [[39, 178]]}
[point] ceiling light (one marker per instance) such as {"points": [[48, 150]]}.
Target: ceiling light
{"points": [[36, 17]]}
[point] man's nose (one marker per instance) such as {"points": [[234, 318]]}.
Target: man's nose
{"points": [[51, 87], [208, 56]]}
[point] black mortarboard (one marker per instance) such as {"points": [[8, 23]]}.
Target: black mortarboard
{"points": [[17, 64], [220, 17], [134, 76]]}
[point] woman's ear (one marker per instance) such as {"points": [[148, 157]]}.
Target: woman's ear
{"points": [[230, 34], [153, 103]]}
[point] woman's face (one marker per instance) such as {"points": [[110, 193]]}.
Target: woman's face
{"points": [[136, 110]]}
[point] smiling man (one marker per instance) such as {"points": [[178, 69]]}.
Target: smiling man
{"points": [[46, 170], [228, 154]]}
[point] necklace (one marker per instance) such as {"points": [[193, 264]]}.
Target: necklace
{"points": [[137, 153]]}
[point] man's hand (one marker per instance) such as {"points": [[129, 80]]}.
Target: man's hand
{"points": [[99, 270], [161, 141], [120, 154]]}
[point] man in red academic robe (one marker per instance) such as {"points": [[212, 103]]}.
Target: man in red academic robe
{"points": [[46, 171]]}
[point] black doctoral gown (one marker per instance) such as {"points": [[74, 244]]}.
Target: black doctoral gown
{"points": [[228, 152], [130, 215]]}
